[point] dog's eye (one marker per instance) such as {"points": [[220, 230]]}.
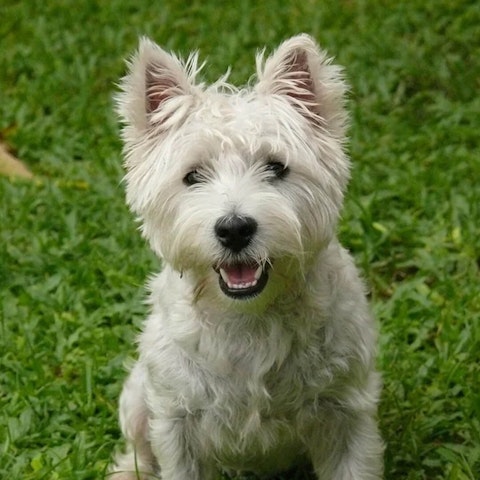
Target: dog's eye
{"points": [[277, 169], [193, 177]]}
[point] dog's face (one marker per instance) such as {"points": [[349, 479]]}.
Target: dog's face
{"points": [[242, 188]]}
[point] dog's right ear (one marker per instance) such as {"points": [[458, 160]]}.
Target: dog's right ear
{"points": [[158, 89]]}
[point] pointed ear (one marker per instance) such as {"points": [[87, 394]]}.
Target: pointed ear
{"points": [[154, 77], [302, 73]]}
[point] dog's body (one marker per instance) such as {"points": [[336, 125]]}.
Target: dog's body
{"points": [[259, 351]]}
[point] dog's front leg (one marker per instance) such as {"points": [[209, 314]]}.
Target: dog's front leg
{"points": [[347, 447], [178, 451]]}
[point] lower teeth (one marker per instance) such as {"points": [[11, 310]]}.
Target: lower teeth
{"points": [[240, 286]]}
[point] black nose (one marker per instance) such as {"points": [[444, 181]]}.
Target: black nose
{"points": [[235, 232]]}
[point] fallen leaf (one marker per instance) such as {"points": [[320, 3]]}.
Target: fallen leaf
{"points": [[11, 166]]}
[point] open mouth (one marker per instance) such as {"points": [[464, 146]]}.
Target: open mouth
{"points": [[242, 280]]}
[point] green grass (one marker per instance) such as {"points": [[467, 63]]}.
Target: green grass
{"points": [[72, 265]]}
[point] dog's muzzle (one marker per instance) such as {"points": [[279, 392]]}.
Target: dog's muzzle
{"points": [[242, 280], [239, 279]]}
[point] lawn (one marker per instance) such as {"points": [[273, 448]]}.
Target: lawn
{"points": [[73, 265]]}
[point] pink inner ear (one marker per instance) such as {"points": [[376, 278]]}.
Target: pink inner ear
{"points": [[158, 87], [300, 75]]}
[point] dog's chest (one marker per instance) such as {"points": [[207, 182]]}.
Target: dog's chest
{"points": [[257, 393]]}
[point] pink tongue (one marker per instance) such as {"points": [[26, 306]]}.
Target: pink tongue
{"points": [[240, 273]]}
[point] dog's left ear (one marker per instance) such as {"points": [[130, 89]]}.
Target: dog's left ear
{"points": [[303, 74]]}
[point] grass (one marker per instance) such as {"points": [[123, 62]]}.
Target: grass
{"points": [[72, 265]]}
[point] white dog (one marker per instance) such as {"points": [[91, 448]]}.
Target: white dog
{"points": [[259, 351]]}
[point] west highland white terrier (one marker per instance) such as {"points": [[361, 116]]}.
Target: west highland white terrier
{"points": [[259, 352]]}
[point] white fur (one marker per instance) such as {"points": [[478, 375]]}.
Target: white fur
{"points": [[287, 376]]}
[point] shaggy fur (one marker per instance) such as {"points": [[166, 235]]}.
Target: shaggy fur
{"points": [[258, 354]]}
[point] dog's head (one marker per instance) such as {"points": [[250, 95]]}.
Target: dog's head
{"points": [[240, 188]]}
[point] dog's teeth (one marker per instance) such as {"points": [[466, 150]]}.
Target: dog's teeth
{"points": [[258, 272], [225, 277], [240, 286]]}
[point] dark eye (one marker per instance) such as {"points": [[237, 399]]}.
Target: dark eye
{"points": [[277, 169], [193, 177]]}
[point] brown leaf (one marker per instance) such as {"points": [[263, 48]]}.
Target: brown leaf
{"points": [[11, 166]]}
